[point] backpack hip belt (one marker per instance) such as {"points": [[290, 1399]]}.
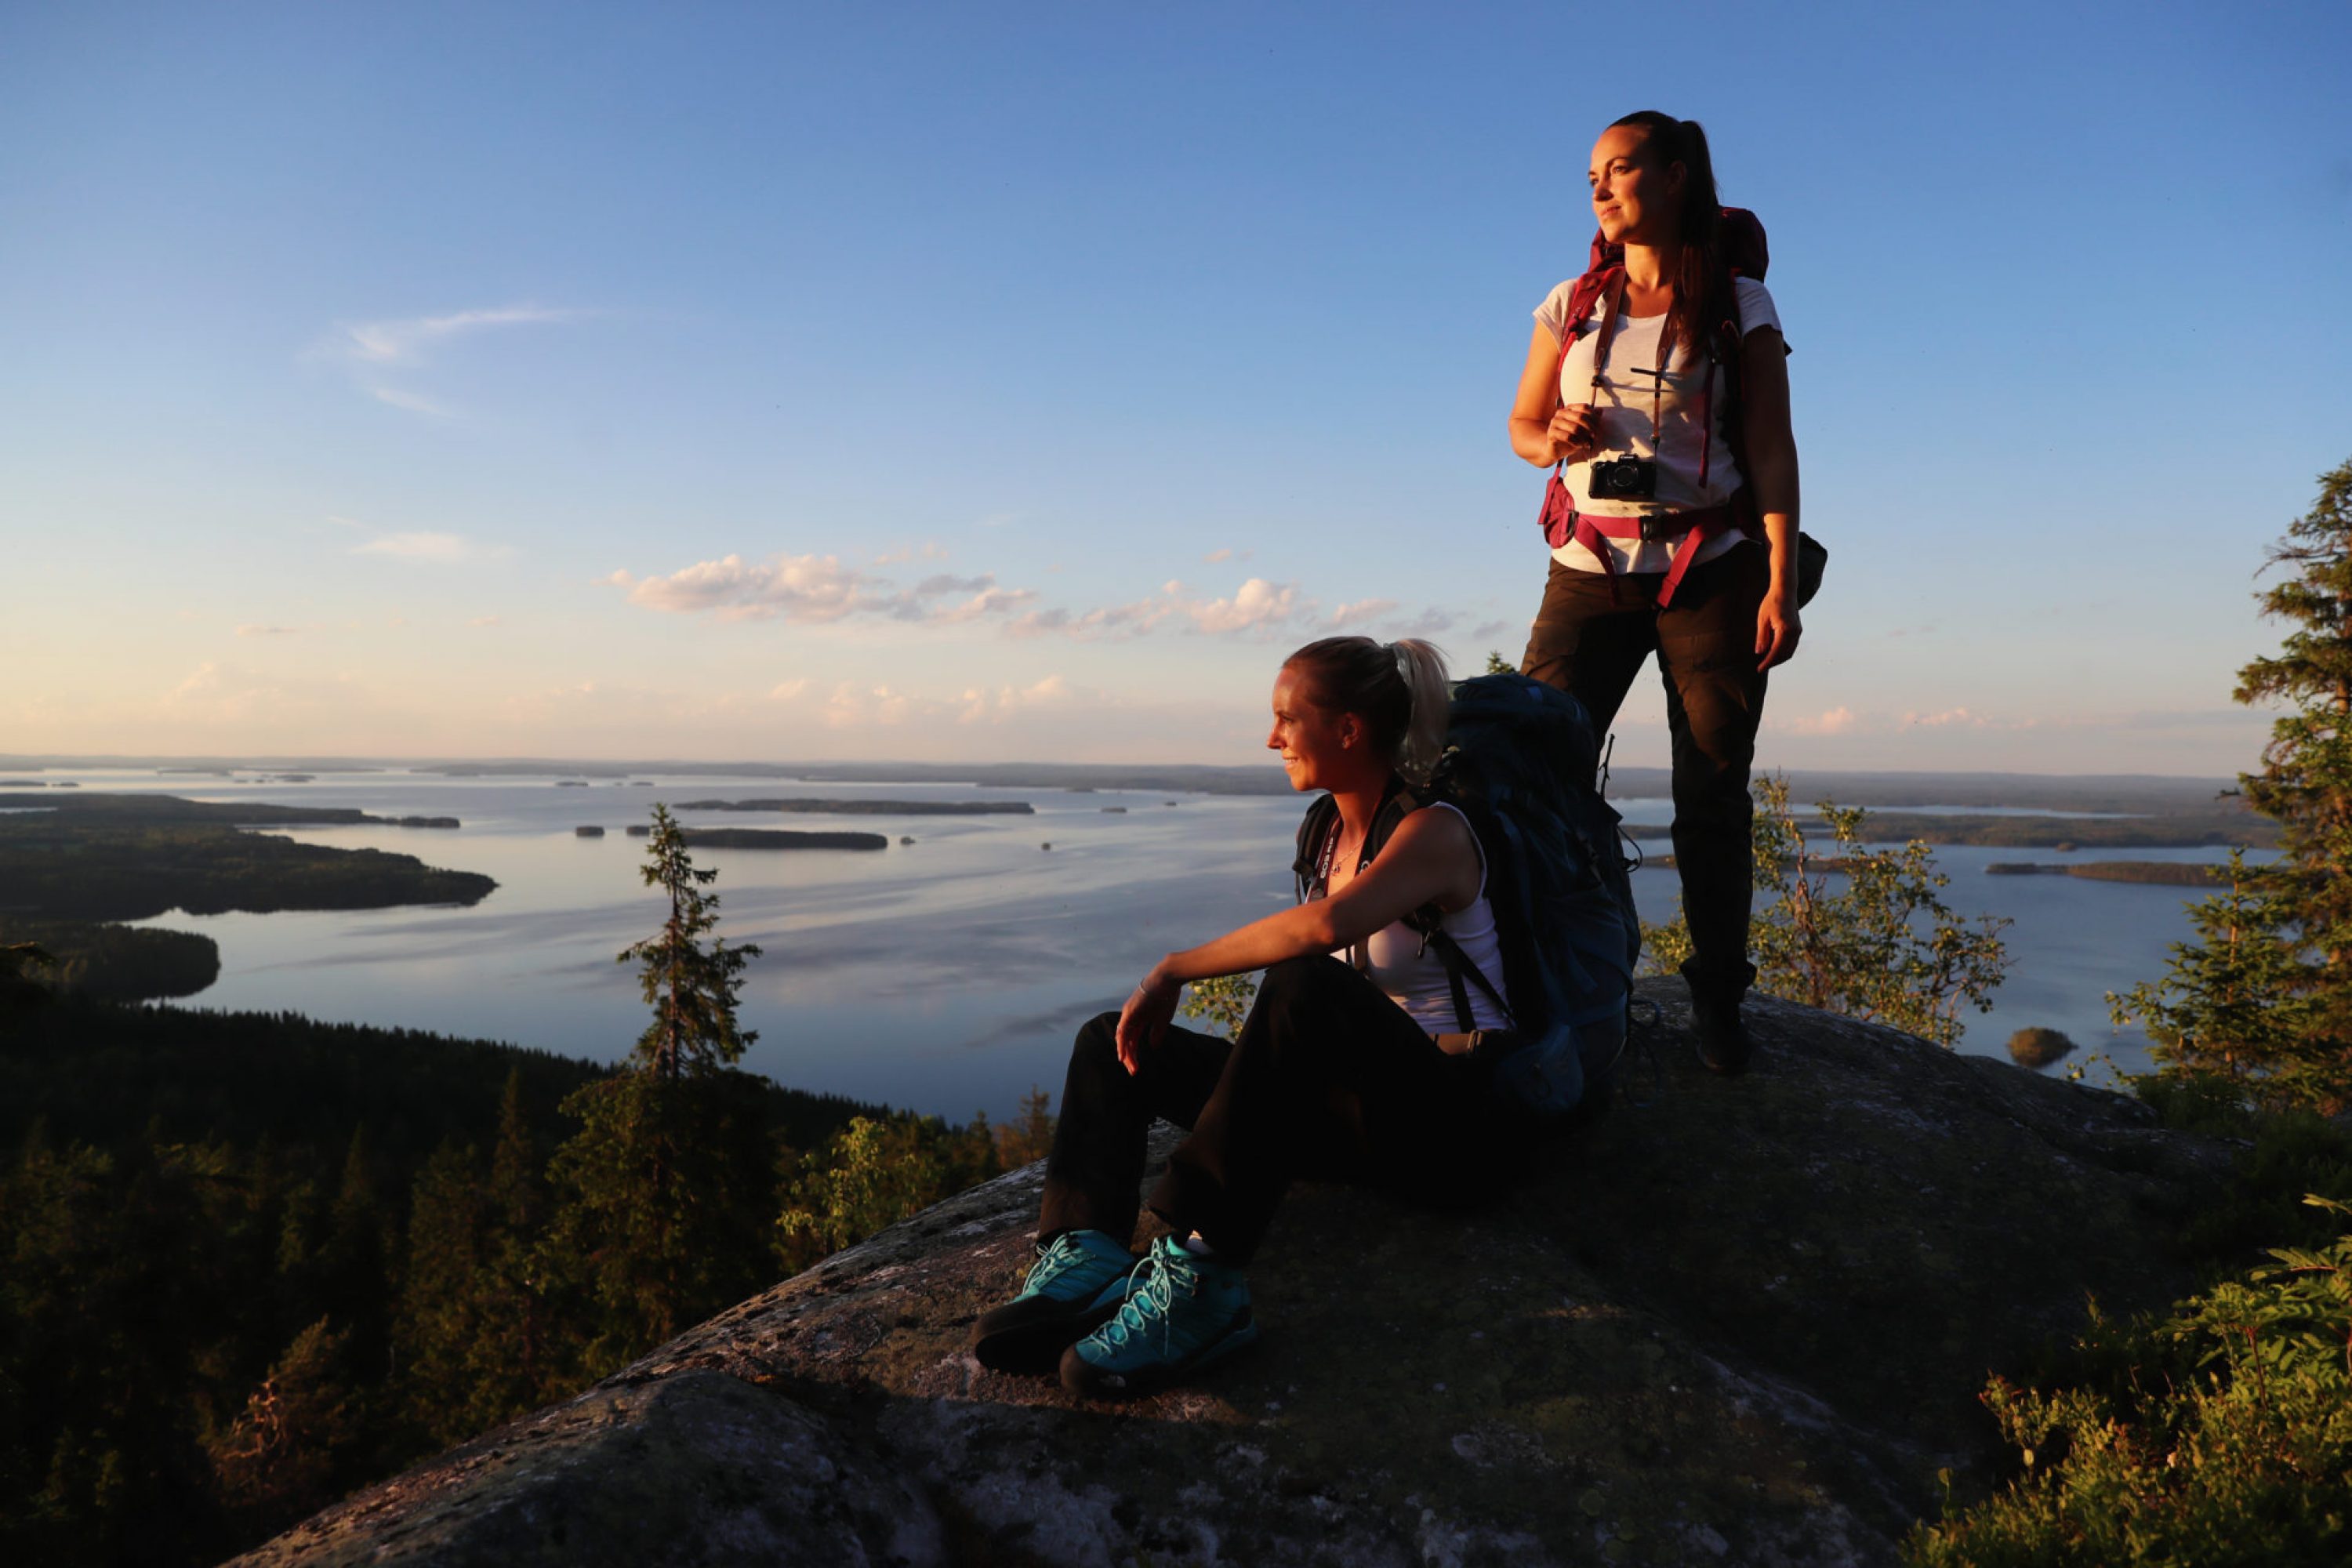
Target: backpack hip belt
{"points": [[1686, 531]]}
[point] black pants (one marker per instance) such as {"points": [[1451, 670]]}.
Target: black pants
{"points": [[1591, 643], [1330, 1079]]}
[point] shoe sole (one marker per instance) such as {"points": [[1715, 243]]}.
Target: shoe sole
{"points": [[1087, 1380], [1031, 1344]]}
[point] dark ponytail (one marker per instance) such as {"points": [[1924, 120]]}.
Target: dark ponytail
{"points": [[1700, 275]]}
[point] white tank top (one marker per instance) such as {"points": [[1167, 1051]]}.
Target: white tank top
{"points": [[1415, 978]]}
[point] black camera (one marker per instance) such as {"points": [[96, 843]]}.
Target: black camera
{"points": [[1623, 478]]}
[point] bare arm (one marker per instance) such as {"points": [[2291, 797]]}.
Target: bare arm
{"points": [[1542, 431], [1430, 859], [1772, 461]]}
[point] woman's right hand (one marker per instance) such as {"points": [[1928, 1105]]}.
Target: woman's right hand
{"points": [[1574, 433], [1144, 1021]]}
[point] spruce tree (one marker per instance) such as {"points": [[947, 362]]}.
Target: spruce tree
{"points": [[668, 1184], [2263, 996], [441, 1315], [2307, 778], [691, 984]]}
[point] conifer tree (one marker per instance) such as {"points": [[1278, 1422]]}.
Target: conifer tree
{"points": [[441, 1307], [2263, 996], [667, 1186], [2227, 1002], [690, 984], [525, 1354]]}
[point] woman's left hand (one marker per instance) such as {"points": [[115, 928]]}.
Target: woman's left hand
{"points": [[1777, 628], [1143, 1022]]}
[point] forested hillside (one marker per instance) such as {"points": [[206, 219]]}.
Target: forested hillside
{"points": [[249, 1262]]}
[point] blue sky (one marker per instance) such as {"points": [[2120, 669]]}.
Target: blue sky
{"points": [[1016, 381]]}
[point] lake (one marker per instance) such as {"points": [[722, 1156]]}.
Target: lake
{"points": [[948, 974]]}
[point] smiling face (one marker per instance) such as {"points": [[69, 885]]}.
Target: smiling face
{"points": [[1637, 199], [1320, 748]]}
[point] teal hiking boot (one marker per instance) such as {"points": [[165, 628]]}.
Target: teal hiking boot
{"points": [[1182, 1313], [1078, 1281]]}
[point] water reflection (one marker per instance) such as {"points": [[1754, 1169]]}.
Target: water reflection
{"points": [[947, 975]]}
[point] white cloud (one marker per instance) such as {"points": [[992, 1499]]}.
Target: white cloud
{"points": [[483, 621], [815, 590], [899, 554], [1961, 716], [1838, 720], [1359, 611], [261, 631], [1255, 605], [942, 582], [431, 549], [990, 601], [985, 707], [404, 340]]}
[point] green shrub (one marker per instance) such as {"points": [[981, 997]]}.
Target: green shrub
{"points": [[2219, 1435]]}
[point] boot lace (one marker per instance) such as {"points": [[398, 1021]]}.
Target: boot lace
{"points": [[1150, 1296]]}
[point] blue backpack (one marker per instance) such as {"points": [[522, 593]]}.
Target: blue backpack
{"points": [[1522, 764]]}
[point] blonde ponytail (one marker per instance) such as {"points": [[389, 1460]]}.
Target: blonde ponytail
{"points": [[1422, 669]]}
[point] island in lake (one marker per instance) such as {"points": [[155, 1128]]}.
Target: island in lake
{"points": [[871, 807], [69, 868], [2164, 873], [778, 838]]}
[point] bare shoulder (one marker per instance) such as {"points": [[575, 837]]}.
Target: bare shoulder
{"points": [[1434, 832]]}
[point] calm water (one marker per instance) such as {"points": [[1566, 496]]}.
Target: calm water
{"points": [[948, 974]]}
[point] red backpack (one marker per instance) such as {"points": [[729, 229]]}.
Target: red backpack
{"points": [[1746, 254]]}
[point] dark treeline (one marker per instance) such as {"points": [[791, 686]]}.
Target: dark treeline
{"points": [[118, 963], [250, 1262], [101, 872]]}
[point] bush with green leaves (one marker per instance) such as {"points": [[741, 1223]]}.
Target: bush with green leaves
{"points": [[874, 1174], [2220, 1433], [1222, 1002], [1884, 947]]}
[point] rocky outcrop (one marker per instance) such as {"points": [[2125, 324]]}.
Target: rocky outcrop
{"points": [[1740, 1321]]}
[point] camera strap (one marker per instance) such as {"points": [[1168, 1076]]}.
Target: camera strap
{"points": [[1613, 301]]}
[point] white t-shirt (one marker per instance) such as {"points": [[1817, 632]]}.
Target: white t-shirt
{"points": [[1623, 400]]}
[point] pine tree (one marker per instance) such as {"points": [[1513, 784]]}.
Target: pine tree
{"points": [[2263, 998], [284, 1455]]}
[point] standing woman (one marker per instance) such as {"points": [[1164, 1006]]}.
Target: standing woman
{"points": [[1665, 405]]}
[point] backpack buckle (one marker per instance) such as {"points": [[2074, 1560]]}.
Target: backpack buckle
{"points": [[1655, 528]]}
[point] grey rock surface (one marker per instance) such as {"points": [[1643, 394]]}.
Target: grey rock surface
{"points": [[1740, 1321]]}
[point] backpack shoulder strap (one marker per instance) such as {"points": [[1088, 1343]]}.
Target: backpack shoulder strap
{"points": [[1314, 832], [1581, 298]]}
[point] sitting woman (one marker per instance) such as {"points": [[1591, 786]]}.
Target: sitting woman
{"points": [[1335, 1073]]}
